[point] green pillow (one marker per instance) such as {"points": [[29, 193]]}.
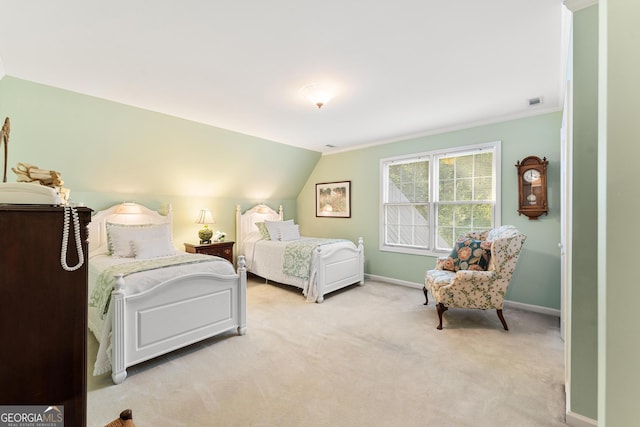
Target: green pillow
{"points": [[469, 254], [262, 228]]}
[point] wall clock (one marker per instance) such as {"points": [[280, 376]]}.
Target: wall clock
{"points": [[532, 186]]}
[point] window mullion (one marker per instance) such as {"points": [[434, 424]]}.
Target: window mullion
{"points": [[434, 196]]}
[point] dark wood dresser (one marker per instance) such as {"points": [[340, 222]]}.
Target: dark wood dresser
{"points": [[43, 311]]}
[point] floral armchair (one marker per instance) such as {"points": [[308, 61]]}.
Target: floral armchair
{"points": [[455, 282]]}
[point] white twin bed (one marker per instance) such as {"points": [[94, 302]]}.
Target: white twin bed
{"points": [[280, 254], [146, 298]]}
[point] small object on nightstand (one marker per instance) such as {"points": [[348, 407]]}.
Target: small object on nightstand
{"points": [[220, 249], [219, 236]]}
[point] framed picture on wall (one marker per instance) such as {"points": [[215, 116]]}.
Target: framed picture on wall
{"points": [[333, 199]]}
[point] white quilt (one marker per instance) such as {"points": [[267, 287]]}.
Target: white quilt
{"points": [[136, 283], [265, 258]]}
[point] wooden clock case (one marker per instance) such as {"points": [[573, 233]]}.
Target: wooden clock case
{"points": [[532, 187]]}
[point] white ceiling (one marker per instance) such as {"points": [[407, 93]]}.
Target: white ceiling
{"points": [[402, 68]]}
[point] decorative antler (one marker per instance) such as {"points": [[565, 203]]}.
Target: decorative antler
{"points": [[4, 137]]}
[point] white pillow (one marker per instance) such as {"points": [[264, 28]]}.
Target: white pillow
{"points": [[156, 247], [289, 232], [101, 250], [273, 227], [120, 236]]}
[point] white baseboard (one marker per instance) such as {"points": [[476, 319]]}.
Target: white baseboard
{"points": [[507, 303], [394, 281], [577, 420], [534, 308]]}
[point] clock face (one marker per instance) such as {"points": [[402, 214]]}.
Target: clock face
{"points": [[531, 175]]}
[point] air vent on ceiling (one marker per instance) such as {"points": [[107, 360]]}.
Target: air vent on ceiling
{"points": [[535, 101], [330, 146]]}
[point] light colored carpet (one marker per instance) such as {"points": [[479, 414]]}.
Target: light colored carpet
{"points": [[368, 356]]}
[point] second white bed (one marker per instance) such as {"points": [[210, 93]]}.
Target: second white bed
{"points": [[334, 263]]}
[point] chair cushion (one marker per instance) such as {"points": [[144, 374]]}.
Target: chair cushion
{"points": [[469, 254], [434, 279]]}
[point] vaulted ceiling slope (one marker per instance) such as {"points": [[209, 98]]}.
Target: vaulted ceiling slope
{"points": [[400, 68]]}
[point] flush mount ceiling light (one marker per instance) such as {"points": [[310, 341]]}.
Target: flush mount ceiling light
{"points": [[318, 93]]}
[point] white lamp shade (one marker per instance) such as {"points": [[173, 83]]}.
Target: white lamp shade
{"points": [[318, 93], [205, 217]]}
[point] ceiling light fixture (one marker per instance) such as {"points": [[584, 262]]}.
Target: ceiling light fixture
{"points": [[318, 93]]}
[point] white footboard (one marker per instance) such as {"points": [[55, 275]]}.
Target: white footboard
{"points": [[174, 314], [338, 268]]}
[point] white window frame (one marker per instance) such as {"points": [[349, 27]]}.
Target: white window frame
{"points": [[432, 157]]}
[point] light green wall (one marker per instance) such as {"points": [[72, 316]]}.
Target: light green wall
{"points": [[109, 152], [537, 277], [584, 290], [619, 151]]}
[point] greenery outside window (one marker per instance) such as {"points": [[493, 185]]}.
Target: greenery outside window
{"points": [[431, 198]]}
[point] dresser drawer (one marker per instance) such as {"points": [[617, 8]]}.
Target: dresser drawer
{"points": [[221, 249]]}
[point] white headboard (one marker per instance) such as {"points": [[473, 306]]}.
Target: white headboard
{"points": [[124, 213], [245, 222]]}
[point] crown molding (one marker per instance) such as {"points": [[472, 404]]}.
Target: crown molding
{"points": [[576, 5], [533, 111]]}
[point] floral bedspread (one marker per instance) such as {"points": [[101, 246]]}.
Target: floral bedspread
{"points": [[298, 253]]}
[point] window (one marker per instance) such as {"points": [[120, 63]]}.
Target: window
{"points": [[429, 199]]}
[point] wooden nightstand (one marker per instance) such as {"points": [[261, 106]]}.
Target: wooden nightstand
{"points": [[221, 249]]}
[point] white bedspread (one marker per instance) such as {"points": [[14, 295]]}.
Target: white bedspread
{"points": [[265, 258], [136, 283]]}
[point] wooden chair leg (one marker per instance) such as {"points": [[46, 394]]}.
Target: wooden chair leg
{"points": [[501, 317], [441, 309], [426, 295]]}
